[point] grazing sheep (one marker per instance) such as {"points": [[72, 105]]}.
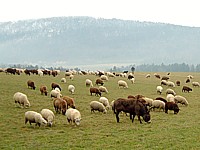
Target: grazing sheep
{"points": [[180, 99], [105, 102], [171, 106], [97, 106], [73, 116], [31, 84], [71, 89], [132, 80], [55, 85], [63, 80], [104, 78], [163, 82], [186, 89], [70, 101], [43, 90], [60, 105], [170, 84], [170, 91], [68, 73], [148, 100], [95, 90], [195, 84], [157, 75], [55, 94], [170, 98], [158, 104], [103, 89], [22, 99], [165, 78], [99, 81], [48, 115], [71, 77], [178, 83], [187, 81], [88, 83], [159, 89], [34, 117], [148, 76], [190, 77], [122, 83], [109, 74]]}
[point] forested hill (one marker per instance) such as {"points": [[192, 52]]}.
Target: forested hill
{"points": [[71, 41]]}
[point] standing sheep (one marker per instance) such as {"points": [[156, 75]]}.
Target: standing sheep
{"points": [[195, 84], [104, 78], [55, 85], [55, 94], [60, 105], [122, 83], [48, 115], [99, 81], [88, 83], [159, 89], [73, 116], [170, 98], [70, 101], [180, 99], [98, 106], [22, 99], [63, 80], [31, 84], [103, 89], [71, 89], [43, 90], [170, 91], [105, 102], [34, 117], [95, 90], [158, 104]]}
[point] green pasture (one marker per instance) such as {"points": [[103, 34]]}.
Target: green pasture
{"points": [[97, 130]]}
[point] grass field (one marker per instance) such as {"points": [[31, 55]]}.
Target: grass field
{"points": [[97, 130]]}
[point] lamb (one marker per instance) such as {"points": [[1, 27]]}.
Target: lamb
{"points": [[55, 94], [31, 84], [178, 83], [34, 117], [71, 89], [70, 101], [73, 116], [132, 80], [95, 90], [48, 115], [105, 102], [55, 85], [103, 89], [195, 84], [60, 105], [22, 99], [158, 104], [122, 83], [97, 106], [170, 91], [43, 90], [63, 80], [88, 83], [170, 98], [159, 89], [181, 99]]}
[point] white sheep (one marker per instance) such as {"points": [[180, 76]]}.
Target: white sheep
{"points": [[170, 98], [98, 106], [105, 102], [63, 80], [181, 99], [71, 89], [103, 89], [148, 76], [34, 117], [104, 77], [159, 89], [88, 83], [73, 116], [132, 80], [170, 84], [194, 84], [71, 77], [158, 104], [109, 74], [22, 99], [48, 115], [148, 100], [170, 91], [55, 93], [122, 83]]}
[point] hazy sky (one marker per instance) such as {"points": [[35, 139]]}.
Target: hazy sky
{"points": [[181, 12]]}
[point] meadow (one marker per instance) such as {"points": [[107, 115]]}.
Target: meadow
{"points": [[97, 130]]}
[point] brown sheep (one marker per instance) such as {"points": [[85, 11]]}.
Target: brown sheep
{"points": [[171, 106], [178, 83], [43, 90], [55, 85], [31, 84], [99, 81], [60, 105], [186, 88], [70, 101], [95, 90]]}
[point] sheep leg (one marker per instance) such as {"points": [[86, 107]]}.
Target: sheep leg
{"points": [[133, 116], [139, 119], [117, 116]]}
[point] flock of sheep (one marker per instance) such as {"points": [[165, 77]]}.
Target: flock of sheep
{"points": [[66, 105]]}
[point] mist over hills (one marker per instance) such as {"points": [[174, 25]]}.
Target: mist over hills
{"points": [[90, 42]]}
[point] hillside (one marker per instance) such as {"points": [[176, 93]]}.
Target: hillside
{"points": [[75, 41]]}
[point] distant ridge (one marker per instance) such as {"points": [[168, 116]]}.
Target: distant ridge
{"points": [[86, 41]]}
